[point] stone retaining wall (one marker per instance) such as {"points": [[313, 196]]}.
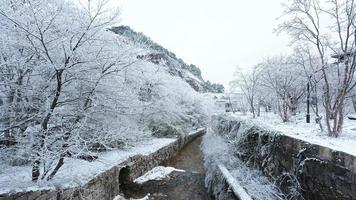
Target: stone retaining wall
{"points": [[106, 185], [301, 169]]}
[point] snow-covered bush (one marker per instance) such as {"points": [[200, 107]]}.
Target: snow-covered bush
{"points": [[166, 100]]}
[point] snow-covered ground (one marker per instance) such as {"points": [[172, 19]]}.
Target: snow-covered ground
{"points": [[157, 173], [74, 171], [311, 133]]}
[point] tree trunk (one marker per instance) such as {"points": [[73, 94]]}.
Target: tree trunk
{"points": [[327, 116], [285, 113], [63, 154], [253, 111], [318, 117], [37, 157], [36, 168], [252, 107], [55, 170], [340, 123], [44, 125]]}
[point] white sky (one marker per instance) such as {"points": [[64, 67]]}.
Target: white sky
{"points": [[215, 35]]}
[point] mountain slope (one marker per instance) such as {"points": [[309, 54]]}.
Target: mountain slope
{"points": [[175, 66]]}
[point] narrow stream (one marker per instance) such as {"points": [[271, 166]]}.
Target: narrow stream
{"points": [[188, 185]]}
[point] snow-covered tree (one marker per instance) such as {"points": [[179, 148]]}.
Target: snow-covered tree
{"points": [[285, 80], [329, 27], [62, 53], [70, 87], [309, 63], [248, 83]]}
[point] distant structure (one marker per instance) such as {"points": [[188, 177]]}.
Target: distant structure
{"points": [[227, 102]]}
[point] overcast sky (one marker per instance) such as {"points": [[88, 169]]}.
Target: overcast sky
{"points": [[215, 35]]}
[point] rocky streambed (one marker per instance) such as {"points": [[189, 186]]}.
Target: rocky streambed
{"points": [[185, 184]]}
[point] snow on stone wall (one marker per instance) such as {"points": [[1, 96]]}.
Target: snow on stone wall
{"points": [[106, 185], [300, 169]]}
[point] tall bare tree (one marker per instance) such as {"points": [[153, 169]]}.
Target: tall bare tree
{"points": [[248, 83], [283, 79], [69, 56], [309, 63], [330, 27]]}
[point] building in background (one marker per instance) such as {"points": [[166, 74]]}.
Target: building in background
{"points": [[228, 102]]}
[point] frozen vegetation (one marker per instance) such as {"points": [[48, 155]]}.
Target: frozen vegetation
{"points": [[219, 149], [79, 93], [74, 95], [318, 76], [310, 133], [260, 143]]}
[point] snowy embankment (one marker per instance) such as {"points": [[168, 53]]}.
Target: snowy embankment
{"points": [[75, 172], [301, 168], [310, 133], [218, 151]]}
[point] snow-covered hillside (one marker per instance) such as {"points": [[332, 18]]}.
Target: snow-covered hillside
{"points": [[175, 66]]}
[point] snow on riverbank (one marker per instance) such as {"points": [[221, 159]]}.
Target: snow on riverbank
{"points": [[74, 171], [157, 173], [311, 133], [217, 150]]}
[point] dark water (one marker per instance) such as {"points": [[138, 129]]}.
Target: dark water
{"points": [[188, 185]]}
